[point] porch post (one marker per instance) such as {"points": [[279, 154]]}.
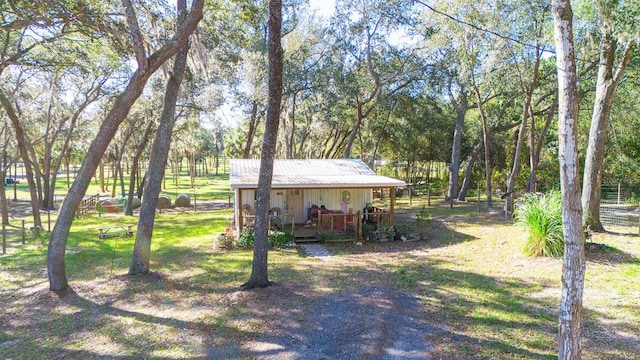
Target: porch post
{"points": [[238, 209], [392, 193]]}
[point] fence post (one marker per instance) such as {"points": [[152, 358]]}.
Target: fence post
{"points": [[49, 220], [479, 198], [618, 193], [23, 233]]}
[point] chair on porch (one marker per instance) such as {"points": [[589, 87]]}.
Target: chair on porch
{"points": [[249, 215], [274, 218]]}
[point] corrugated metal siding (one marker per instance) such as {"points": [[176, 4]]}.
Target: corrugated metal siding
{"points": [[310, 173]]}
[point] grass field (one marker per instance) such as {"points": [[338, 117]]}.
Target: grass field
{"points": [[471, 283], [208, 187]]}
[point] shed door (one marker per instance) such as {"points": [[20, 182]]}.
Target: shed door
{"points": [[294, 206]]}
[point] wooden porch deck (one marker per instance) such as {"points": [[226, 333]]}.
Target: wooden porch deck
{"points": [[303, 233]]}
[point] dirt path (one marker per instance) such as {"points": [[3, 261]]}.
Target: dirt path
{"points": [[372, 323]]}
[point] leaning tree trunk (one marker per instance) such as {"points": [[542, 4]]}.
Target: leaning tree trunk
{"points": [[135, 167], [259, 270], [466, 182], [119, 111], [605, 91], [573, 269], [515, 170], [24, 153], [158, 160]]}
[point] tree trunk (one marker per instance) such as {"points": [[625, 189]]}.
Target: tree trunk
{"points": [[605, 91], [119, 111], [254, 121], [531, 185], [485, 140], [3, 193], [158, 159], [466, 183], [305, 135], [141, 185], [259, 274], [135, 169], [67, 160], [122, 193], [116, 168], [515, 169], [533, 162], [354, 130], [33, 157], [461, 108], [101, 176], [24, 153], [573, 269]]}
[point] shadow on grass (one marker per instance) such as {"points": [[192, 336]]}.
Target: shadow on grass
{"points": [[605, 254], [316, 310], [622, 233], [433, 317], [116, 326], [373, 308]]}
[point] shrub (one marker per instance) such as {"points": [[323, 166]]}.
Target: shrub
{"points": [[385, 233], [541, 216], [404, 228], [368, 231], [423, 221], [224, 241], [245, 238], [38, 233], [279, 239]]}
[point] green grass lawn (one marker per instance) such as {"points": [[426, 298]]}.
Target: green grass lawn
{"points": [[207, 187], [471, 281]]}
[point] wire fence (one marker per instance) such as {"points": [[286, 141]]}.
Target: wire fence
{"points": [[618, 209]]}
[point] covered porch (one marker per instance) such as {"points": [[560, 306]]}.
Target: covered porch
{"points": [[317, 200]]}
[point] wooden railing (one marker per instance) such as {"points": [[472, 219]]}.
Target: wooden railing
{"points": [[338, 225], [88, 206], [377, 217]]}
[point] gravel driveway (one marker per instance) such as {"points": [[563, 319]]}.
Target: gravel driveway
{"points": [[373, 323]]}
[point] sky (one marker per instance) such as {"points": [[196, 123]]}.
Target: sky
{"points": [[228, 113], [324, 7]]}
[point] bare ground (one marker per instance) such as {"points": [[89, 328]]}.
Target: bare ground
{"points": [[318, 316]]}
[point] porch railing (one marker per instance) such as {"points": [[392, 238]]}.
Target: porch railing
{"points": [[340, 226]]}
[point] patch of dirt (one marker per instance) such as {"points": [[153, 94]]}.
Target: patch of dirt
{"points": [[200, 206], [371, 323]]}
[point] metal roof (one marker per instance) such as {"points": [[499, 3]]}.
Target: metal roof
{"points": [[310, 173]]}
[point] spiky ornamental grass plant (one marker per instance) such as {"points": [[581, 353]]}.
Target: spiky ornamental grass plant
{"points": [[541, 216]]}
